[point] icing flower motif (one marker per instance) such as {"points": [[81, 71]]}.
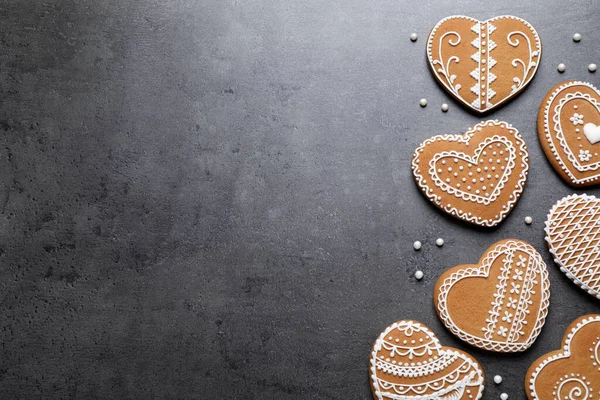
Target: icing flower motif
{"points": [[518, 276], [515, 288], [577, 119], [512, 303], [507, 317], [521, 262], [584, 155], [408, 327], [502, 331]]}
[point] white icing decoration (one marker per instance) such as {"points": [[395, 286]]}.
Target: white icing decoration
{"points": [[461, 372], [571, 386], [483, 74], [577, 119], [459, 192], [592, 132], [584, 155], [445, 69], [519, 82], [573, 236], [526, 272], [465, 195], [558, 139]]}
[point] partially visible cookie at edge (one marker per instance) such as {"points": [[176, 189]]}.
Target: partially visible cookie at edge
{"points": [[569, 132], [408, 362], [573, 372]]}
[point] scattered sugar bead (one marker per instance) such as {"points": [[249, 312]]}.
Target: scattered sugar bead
{"points": [[439, 242], [592, 67], [577, 37], [419, 275], [561, 67], [413, 37], [417, 245], [423, 102], [444, 107], [504, 396], [497, 379], [528, 220]]}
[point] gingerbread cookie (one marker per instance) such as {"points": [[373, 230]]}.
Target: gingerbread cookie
{"points": [[569, 131], [408, 362], [483, 64], [573, 236], [478, 176], [572, 372], [499, 304]]}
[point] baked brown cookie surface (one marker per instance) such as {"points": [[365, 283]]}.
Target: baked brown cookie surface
{"points": [[499, 304], [408, 362], [572, 372], [477, 176], [483, 64], [569, 131]]}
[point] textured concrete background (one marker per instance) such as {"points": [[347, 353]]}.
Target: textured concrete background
{"points": [[213, 199]]}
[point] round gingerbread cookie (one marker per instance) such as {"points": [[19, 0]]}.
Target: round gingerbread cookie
{"points": [[569, 131], [573, 236], [408, 362], [499, 304], [477, 176], [572, 372], [483, 64]]}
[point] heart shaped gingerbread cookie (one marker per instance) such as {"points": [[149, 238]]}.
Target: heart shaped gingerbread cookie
{"points": [[573, 236], [408, 362], [484, 63], [500, 304], [569, 131], [574, 371], [478, 176]]}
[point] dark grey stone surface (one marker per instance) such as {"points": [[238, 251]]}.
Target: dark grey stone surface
{"points": [[213, 199]]}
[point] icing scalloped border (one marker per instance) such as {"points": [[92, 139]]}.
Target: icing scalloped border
{"points": [[548, 136], [465, 138], [560, 263], [522, 85], [483, 271], [585, 320], [441, 349]]}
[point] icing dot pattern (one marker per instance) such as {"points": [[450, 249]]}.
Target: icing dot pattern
{"points": [[479, 175]]}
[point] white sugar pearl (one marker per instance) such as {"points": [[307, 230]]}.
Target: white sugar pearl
{"points": [[592, 67], [561, 67], [577, 37], [528, 220], [423, 102], [444, 107], [419, 275], [417, 245], [497, 379], [504, 396], [413, 37], [439, 242]]}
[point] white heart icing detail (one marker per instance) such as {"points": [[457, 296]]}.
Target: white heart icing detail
{"points": [[592, 132]]}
